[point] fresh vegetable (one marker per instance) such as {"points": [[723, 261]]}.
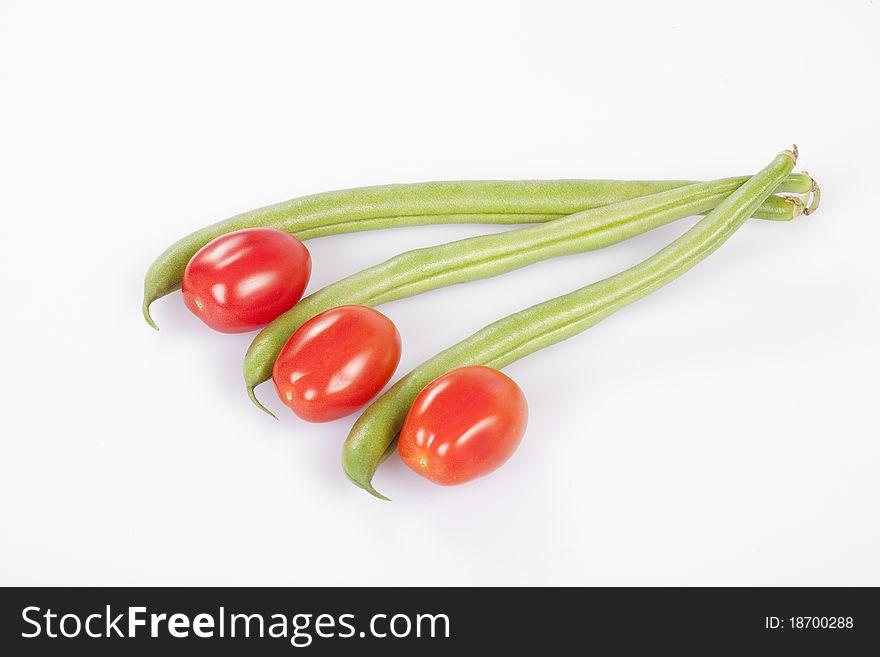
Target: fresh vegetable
{"points": [[470, 259], [337, 362], [243, 280], [369, 208], [515, 336], [463, 425]]}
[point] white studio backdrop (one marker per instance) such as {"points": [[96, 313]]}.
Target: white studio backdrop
{"points": [[722, 431]]}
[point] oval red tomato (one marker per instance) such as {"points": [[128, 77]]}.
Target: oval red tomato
{"points": [[463, 425], [243, 280], [336, 362]]}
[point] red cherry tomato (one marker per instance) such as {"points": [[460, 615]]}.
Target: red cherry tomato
{"points": [[463, 425], [243, 280], [336, 362]]}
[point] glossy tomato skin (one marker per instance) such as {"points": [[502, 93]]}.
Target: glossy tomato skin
{"points": [[243, 280], [336, 362], [463, 425]]}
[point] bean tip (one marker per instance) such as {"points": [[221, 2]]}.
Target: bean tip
{"points": [[147, 316], [372, 491], [362, 480], [253, 397]]}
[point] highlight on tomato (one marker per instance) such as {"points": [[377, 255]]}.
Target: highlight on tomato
{"points": [[463, 425], [243, 280], [336, 362]]}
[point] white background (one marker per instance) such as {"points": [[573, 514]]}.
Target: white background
{"points": [[722, 431]]}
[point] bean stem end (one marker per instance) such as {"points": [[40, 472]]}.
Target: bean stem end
{"points": [[815, 195], [799, 206]]}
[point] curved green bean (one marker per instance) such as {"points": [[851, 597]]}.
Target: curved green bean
{"points": [[527, 331], [387, 206], [479, 257]]}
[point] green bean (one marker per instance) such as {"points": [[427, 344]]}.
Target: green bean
{"points": [[499, 344], [470, 259], [387, 206]]}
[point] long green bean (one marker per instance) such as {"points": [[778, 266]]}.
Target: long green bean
{"points": [[387, 206], [522, 333], [470, 259]]}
